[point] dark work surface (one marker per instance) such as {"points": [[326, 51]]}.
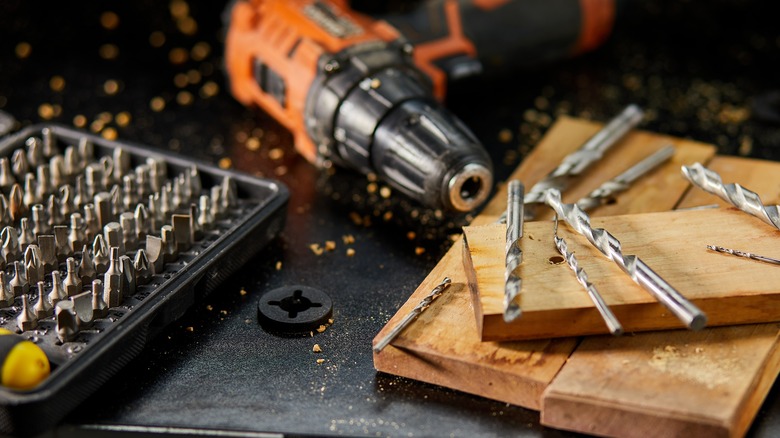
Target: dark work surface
{"points": [[703, 70]]}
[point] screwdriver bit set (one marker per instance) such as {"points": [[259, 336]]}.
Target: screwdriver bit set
{"points": [[105, 243]]}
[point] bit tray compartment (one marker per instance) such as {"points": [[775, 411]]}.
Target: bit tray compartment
{"points": [[206, 253]]}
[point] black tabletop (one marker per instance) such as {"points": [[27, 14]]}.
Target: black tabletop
{"points": [[150, 72]]}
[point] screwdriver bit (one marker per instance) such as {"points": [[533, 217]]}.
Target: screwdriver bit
{"points": [[47, 249], [155, 253], [26, 236], [57, 170], [49, 146], [87, 271], [86, 151], [112, 280], [81, 196], [736, 195], [513, 253], [129, 192], [127, 224], [91, 224], [53, 211], [684, 310], [77, 236], [143, 269], [34, 153], [205, 219], [67, 323], [112, 233], [182, 232], [228, 193], [18, 283], [10, 250], [19, 164], [170, 249], [142, 181], [82, 305], [71, 161], [155, 213], [116, 201], [128, 276], [43, 307], [5, 213], [6, 294], [94, 179], [16, 206], [67, 204], [6, 175], [103, 208], [216, 202], [166, 202], [43, 181], [100, 257], [64, 250], [27, 319], [141, 218], [73, 281], [99, 306], [121, 163], [40, 221], [30, 192], [58, 292], [33, 264], [196, 233], [196, 185]]}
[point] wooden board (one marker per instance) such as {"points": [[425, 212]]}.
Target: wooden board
{"points": [[729, 290], [680, 383], [442, 346]]}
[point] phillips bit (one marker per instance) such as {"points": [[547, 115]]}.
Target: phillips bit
{"points": [[40, 221], [6, 294], [128, 276], [26, 236], [57, 169], [129, 239], [82, 304], [107, 163], [170, 249], [6, 175], [112, 233], [18, 283], [16, 206], [613, 325], [5, 213], [30, 192], [73, 282], [121, 163], [71, 161], [92, 226], [11, 250], [67, 321], [113, 280], [64, 250], [514, 254], [19, 164], [49, 147], [43, 182], [155, 254], [99, 307], [103, 208], [86, 150], [58, 292], [744, 254], [27, 320], [116, 200], [34, 152], [684, 310], [43, 307], [77, 236], [129, 192], [182, 232], [141, 218], [67, 204], [734, 194], [143, 269], [413, 314], [81, 197], [47, 249], [33, 264], [205, 219], [54, 211], [574, 164], [622, 182], [100, 257], [87, 271]]}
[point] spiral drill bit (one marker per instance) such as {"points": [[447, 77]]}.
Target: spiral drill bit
{"points": [[413, 314], [622, 182], [514, 255], [609, 318], [589, 153], [632, 265], [734, 194], [744, 254]]}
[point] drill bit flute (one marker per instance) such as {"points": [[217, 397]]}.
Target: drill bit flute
{"points": [[684, 310], [734, 194], [514, 255]]}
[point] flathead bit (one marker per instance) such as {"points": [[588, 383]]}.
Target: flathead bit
{"points": [[73, 282], [113, 280], [112, 232], [54, 211], [216, 202], [736, 195], [67, 321], [141, 217], [18, 284], [6, 175], [58, 292], [40, 221], [155, 253], [57, 169], [19, 164], [77, 236], [33, 264], [16, 205], [67, 204], [103, 208], [94, 179], [92, 225], [228, 193], [43, 307], [6, 294], [196, 186], [86, 150], [170, 250], [44, 186], [47, 249], [49, 148], [82, 196], [34, 152], [30, 194], [182, 232], [121, 163], [143, 269], [27, 320], [87, 271], [71, 160], [26, 236], [99, 306], [128, 276], [64, 250], [129, 192], [129, 239], [100, 254]]}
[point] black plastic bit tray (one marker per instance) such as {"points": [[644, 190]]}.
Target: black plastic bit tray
{"points": [[102, 349]]}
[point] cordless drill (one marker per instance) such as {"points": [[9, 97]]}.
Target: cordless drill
{"points": [[366, 93]]}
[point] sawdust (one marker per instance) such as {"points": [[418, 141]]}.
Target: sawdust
{"points": [[693, 365]]}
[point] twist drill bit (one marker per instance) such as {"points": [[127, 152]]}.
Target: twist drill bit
{"points": [[589, 153], [622, 182], [609, 318], [734, 194], [744, 254], [514, 255], [413, 314], [632, 265]]}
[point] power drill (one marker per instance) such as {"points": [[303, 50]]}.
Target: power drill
{"points": [[366, 93]]}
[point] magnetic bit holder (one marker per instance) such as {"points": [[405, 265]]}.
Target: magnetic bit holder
{"points": [[609, 245], [736, 195]]}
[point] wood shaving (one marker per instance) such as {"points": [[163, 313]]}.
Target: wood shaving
{"points": [[320, 361], [316, 348], [330, 245], [316, 249], [321, 328]]}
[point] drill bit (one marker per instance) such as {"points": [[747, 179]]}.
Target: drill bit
{"points": [[514, 255], [413, 314], [589, 153], [744, 254], [622, 182], [684, 310], [734, 194], [609, 318]]}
